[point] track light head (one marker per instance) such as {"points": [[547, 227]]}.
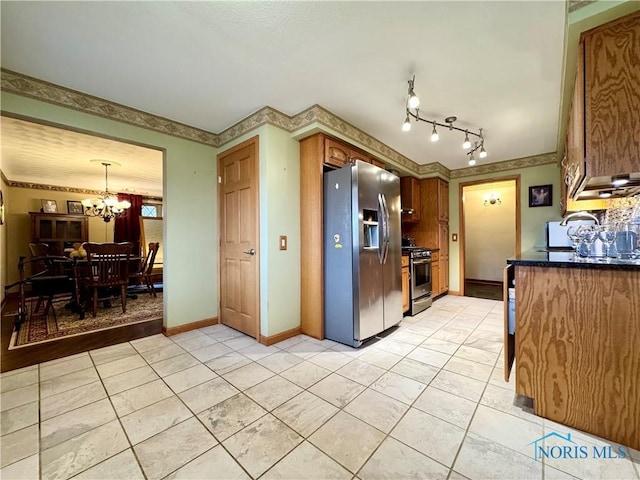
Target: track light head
{"points": [[406, 126], [467, 144], [434, 134], [413, 101]]}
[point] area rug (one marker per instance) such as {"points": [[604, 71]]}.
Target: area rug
{"points": [[37, 329]]}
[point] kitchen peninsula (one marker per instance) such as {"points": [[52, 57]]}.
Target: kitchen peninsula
{"points": [[577, 341]]}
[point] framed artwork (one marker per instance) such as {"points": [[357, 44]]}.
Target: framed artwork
{"points": [[49, 206], [74, 207], [541, 196]]}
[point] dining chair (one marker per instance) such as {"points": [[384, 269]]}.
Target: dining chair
{"points": [[107, 269], [49, 280], [145, 272]]}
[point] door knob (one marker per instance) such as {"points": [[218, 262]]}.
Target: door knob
{"points": [[250, 252]]}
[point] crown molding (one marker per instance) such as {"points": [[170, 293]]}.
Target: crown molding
{"points": [[37, 89], [30, 87], [515, 164], [26, 86]]}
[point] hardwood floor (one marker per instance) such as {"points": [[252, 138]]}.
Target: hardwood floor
{"points": [[32, 354], [483, 289]]}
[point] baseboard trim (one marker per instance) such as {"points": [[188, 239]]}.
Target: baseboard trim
{"points": [[279, 337], [453, 292], [189, 326]]}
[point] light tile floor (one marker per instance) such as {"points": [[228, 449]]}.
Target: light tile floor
{"points": [[426, 401]]}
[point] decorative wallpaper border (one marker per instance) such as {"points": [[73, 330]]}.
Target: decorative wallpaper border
{"points": [[578, 4], [56, 188], [515, 164], [48, 92]]}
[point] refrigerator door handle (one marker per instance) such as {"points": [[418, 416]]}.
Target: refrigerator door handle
{"points": [[382, 235], [385, 229]]}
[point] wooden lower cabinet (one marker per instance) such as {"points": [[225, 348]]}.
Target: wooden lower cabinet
{"points": [[577, 345], [435, 274], [405, 283]]}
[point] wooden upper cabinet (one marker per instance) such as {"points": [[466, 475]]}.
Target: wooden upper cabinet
{"points": [[338, 154], [335, 153], [443, 201], [604, 124], [612, 107], [410, 195], [378, 163]]}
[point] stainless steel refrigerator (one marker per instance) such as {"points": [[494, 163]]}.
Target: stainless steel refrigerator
{"points": [[362, 253]]}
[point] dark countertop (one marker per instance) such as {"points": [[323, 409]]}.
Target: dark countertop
{"points": [[541, 257]]}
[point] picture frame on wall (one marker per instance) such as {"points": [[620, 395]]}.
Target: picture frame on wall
{"points": [[49, 206], [541, 196], [74, 207]]}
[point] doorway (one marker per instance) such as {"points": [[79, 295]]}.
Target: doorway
{"points": [[239, 232], [489, 233], [38, 175]]}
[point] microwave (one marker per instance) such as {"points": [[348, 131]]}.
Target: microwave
{"points": [[557, 234]]}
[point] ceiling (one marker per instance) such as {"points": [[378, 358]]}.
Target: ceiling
{"points": [[42, 154], [496, 65]]}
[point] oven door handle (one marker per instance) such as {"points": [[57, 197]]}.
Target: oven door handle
{"points": [[421, 261]]}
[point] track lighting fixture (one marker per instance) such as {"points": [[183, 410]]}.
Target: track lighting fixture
{"points": [[413, 102]]}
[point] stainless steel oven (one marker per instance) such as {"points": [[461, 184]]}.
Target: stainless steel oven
{"points": [[420, 279]]}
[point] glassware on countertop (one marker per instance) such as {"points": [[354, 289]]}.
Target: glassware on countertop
{"points": [[589, 235], [608, 236], [626, 241], [576, 240]]}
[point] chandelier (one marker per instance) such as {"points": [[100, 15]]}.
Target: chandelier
{"points": [[106, 206], [412, 111]]}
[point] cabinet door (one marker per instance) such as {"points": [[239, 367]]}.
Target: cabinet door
{"points": [[410, 196], [354, 155], [444, 276], [335, 154], [612, 97], [435, 278], [574, 168], [443, 201], [405, 289], [443, 240], [378, 163]]}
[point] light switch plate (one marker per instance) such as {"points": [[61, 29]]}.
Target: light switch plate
{"points": [[283, 242], [454, 237]]}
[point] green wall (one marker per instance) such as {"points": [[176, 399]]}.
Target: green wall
{"points": [[279, 195], [532, 219], [190, 203]]}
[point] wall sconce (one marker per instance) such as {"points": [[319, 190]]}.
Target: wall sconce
{"points": [[492, 199]]}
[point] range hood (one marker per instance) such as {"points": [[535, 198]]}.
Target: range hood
{"points": [[595, 186]]}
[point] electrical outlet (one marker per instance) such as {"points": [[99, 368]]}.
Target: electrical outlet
{"points": [[283, 242]]}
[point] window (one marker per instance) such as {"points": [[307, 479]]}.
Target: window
{"points": [[153, 210]]}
